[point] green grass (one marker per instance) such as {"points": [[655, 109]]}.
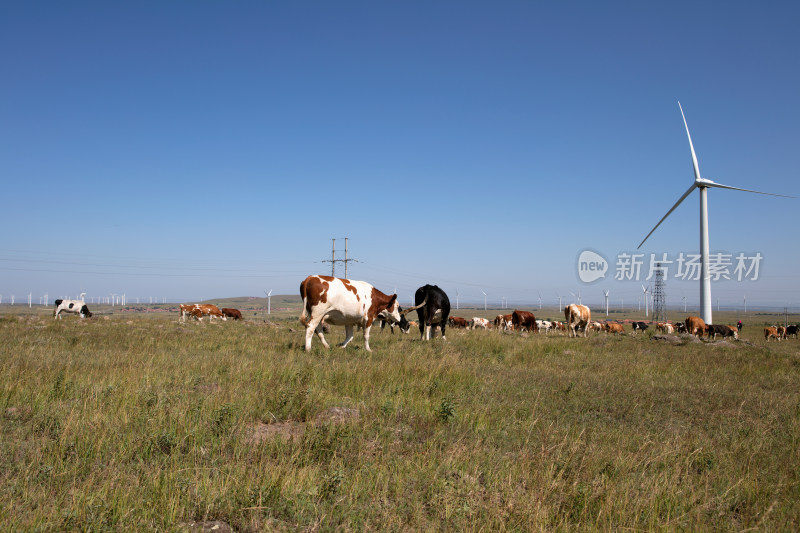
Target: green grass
{"points": [[134, 423]]}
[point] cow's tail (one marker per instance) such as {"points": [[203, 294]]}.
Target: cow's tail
{"points": [[305, 315], [405, 311]]}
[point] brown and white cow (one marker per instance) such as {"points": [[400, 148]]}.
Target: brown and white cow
{"points": [[478, 322], [771, 333], [198, 311], [577, 316], [695, 325], [343, 302], [664, 327]]}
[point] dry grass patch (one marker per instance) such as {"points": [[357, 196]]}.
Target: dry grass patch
{"points": [[156, 425]]}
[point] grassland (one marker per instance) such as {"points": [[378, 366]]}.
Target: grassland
{"points": [[138, 422]]}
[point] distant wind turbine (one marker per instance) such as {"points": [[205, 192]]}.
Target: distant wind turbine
{"points": [[703, 185], [645, 290], [484, 299], [605, 294], [540, 300], [269, 301]]}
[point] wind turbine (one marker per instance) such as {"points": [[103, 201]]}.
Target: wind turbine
{"points": [[558, 294], [644, 290], [684, 303], [745, 304], [540, 300], [456, 298], [484, 299], [269, 301], [605, 293], [703, 185]]}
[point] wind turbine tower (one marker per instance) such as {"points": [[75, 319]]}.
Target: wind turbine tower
{"points": [[703, 185], [645, 291], [540, 300], [484, 299], [605, 294], [269, 301]]}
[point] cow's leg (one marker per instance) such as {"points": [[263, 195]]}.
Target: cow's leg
{"points": [[315, 326], [348, 331], [427, 335], [309, 335], [366, 337], [443, 326]]}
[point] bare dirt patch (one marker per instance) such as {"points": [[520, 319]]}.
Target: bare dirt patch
{"points": [[291, 430], [208, 526]]}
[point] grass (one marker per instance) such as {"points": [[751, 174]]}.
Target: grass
{"points": [[131, 423]]}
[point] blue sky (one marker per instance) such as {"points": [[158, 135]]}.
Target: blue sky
{"points": [[194, 150]]}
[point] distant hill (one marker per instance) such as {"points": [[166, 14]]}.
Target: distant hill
{"points": [[278, 301]]}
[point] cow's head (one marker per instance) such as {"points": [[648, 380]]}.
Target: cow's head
{"points": [[392, 311], [85, 311], [405, 326]]}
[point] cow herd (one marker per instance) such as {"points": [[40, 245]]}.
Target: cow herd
{"points": [[328, 300], [780, 332]]}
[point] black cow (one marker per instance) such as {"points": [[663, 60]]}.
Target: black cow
{"points": [[791, 331], [712, 330], [433, 308], [404, 326], [71, 306], [641, 326]]}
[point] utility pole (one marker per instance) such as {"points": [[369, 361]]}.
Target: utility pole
{"points": [[659, 296], [333, 259]]}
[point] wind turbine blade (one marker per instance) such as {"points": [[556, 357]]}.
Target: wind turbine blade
{"points": [[682, 198], [721, 186], [691, 146]]}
